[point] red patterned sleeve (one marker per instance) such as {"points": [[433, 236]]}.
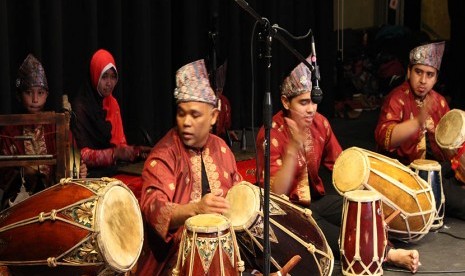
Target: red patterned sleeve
{"points": [[391, 114], [332, 148], [97, 158], [159, 187]]}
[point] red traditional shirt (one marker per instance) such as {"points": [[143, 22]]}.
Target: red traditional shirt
{"points": [[321, 148], [400, 106], [172, 176]]}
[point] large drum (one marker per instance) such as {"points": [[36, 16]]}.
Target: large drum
{"points": [[208, 247], [450, 136], [76, 227], [292, 232], [408, 201], [430, 171], [363, 235]]}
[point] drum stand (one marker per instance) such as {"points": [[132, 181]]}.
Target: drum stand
{"points": [[271, 32]]}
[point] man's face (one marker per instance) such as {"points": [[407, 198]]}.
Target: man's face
{"points": [[422, 78], [300, 108], [33, 99], [194, 121]]}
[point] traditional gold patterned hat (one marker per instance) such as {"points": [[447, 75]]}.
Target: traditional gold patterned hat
{"points": [[31, 74], [429, 54], [193, 85], [298, 81]]}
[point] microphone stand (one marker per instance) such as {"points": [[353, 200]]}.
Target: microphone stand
{"points": [[271, 32]]}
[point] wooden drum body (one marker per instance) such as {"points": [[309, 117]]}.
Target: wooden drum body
{"points": [[292, 232], [208, 247], [450, 136], [430, 171], [363, 235], [90, 226], [408, 201]]}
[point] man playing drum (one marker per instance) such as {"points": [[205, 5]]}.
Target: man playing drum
{"points": [[188, 172], [301, 139], [408, 119]]}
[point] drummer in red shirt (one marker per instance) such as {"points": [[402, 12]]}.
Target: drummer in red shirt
{"points": [[301, 140], [409, 117]]}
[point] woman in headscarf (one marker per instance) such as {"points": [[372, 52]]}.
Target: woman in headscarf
{"points": [[97, 125]]}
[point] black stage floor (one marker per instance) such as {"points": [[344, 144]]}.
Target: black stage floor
{"points": [[442, 252]]}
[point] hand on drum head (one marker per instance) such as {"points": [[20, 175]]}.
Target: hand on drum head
{"points": [[213, 203], [409, 259]]}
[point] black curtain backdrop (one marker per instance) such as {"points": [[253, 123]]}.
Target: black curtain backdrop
{"points": [[150, 40]]}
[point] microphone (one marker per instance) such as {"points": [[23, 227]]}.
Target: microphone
{"points": [[317, 94]]}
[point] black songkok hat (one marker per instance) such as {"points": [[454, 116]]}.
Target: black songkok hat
{"points": [[30, 74]]}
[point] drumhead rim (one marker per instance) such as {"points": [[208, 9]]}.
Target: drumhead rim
{"points": [[425, 165], [103, 236], [362, 196], [222, 226], [254, 205], [357, 181], [442, 134]]}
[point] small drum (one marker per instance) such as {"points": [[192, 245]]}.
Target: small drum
{"points": [[77, 227], [430, 171], [208, 247], [292, 232], [450, 136], [363, 236], [408, 201]]}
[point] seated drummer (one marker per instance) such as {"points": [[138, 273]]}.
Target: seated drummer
{"points": [[301, 140], [409, 117], [97, 125], [188, 172], [32, 91]]}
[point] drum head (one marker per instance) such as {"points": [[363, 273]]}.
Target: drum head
{"points": [[207, 223], [351, 170], [121, 228], [362, 196], [450, 132], [244, 201], [426, 165]]}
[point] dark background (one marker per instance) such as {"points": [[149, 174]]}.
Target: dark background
{"points": [[151, 39]]}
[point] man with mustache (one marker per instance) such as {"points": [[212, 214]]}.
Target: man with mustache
{"points": [[409, 117], [410, 113], [301, 140]]}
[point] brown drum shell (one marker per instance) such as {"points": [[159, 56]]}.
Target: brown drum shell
{"points": [[38, 241], [295, 220], [368, 240], [408, 201]]}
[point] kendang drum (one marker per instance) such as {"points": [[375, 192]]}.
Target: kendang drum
{"points": [[430, 171], [450, 136], [208, 247], [408, 201], [77, 227], [363, 235], [292, 232]]}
